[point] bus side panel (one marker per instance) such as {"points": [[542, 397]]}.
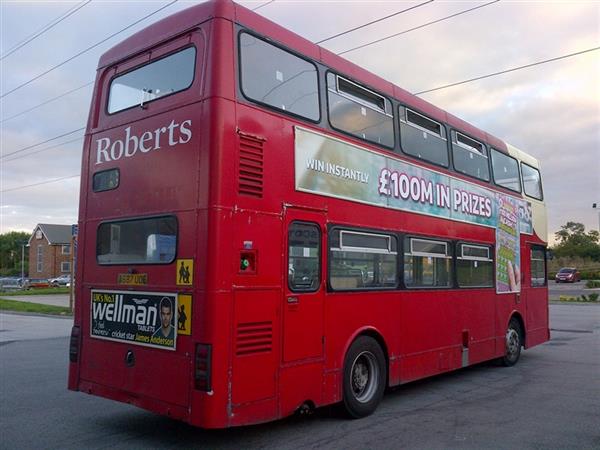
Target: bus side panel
{"points": [[429, 335], [476, 335], [255, 353], [255, 346]]}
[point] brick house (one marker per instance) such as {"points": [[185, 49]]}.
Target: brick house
{"points": [[50, 251]]}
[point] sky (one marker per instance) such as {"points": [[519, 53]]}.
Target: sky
{"points": [[551, 111]]}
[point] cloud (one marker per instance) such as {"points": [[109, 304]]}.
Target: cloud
{"points": [[551, 111]]}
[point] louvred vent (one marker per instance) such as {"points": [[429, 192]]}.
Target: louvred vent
{"points": [[250, 172], [254, 337]]}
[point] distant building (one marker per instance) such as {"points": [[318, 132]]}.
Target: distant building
{"points": [[50, 251]]}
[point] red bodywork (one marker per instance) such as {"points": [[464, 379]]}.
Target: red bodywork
{"points": [[422, 332]]}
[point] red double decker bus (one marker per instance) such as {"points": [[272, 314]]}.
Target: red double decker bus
{"points": [[265, 227]]}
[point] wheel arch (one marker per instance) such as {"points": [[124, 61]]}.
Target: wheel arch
{"points": [[374, 333], [517, 316]]}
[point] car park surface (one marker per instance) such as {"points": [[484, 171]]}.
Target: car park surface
{"points": [[548, 400]]}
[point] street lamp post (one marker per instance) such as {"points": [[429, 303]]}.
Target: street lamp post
{"points": [[597, 206]]}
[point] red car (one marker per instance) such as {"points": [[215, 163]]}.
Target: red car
{"points": [[36, 283], [567, 275]]}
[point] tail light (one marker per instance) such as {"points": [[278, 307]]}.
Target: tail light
{"points": [[74, 344], [202, 366]]}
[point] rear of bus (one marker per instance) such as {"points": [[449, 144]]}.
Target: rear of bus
{"points": [[139, 334]]}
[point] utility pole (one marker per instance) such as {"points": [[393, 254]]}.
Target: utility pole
{"points": [[597, 206], [23, 245]]}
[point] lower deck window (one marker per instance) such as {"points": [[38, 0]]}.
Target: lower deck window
{"points": [[427, 263], [304, 249], [139, 241], [362, 260], [538, 266], [474, 267]]}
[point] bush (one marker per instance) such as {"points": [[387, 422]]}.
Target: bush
{"points": [[590, 275], [584, 298], [591, 284]]}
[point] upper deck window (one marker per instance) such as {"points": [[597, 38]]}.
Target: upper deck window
{"points": [[532, 182], [470, 156], [275, 77], [173, 73], [423, 137], [138, 241], [506, 171], [359, 111]]}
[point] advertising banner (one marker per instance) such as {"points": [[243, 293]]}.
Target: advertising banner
{"points": [[508, 266], [143, 318], [331, 167]]}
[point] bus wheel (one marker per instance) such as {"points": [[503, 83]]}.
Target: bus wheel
{"points": [[364, 377], [513, 343]]}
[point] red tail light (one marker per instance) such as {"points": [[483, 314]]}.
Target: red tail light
{"points": [[74, 344], [202, 366]]}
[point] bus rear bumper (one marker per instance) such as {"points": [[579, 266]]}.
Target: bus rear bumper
{"points": [[149, 404]]}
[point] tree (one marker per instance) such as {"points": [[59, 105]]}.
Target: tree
{"points": [[10, 252], [574, 241]]}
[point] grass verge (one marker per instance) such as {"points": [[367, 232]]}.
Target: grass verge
{"points": [[41, 291], [592, 298], [17, 306]]}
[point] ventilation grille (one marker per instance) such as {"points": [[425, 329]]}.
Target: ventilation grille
{"points": [[254, 337], [250, 175]]}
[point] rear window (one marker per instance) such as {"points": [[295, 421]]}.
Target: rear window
{"points": [[139, 241], [162, 77]]}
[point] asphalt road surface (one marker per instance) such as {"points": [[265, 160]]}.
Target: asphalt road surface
{"points": [[549, 400]]}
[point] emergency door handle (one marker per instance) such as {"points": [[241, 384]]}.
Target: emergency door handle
{"points": [[292, 300]]}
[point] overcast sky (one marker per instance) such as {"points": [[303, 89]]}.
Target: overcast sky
{"points": [[551, 111]]}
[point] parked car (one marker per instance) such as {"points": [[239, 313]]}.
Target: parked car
{"points": [[36, 283], [567, 275], [62, 280]]}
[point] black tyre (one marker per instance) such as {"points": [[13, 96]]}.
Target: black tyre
{"points": [[514, 342], [364, 377]]}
